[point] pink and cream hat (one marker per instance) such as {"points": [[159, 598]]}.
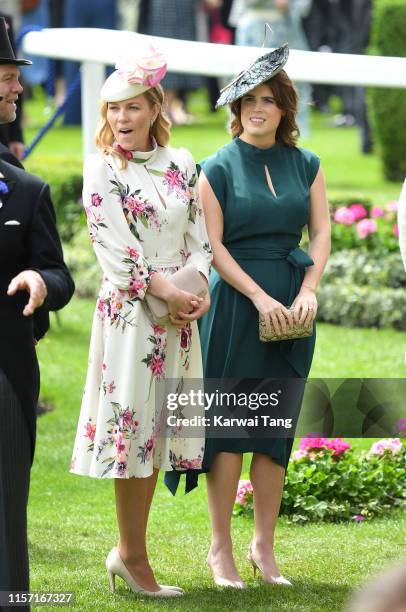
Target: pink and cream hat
{"points": [[134, 75]]}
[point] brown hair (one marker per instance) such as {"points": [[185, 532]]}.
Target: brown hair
{"points": [[286, 99], [160, 129]]}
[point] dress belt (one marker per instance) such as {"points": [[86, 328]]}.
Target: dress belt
{"points": [[296, 256], [165, 262]]}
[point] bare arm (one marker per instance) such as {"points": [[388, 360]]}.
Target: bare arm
{"points": [[305, 304], [319, 232]]}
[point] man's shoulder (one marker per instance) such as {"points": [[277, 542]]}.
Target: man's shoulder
{"points": [[20, 175], [6, 155]]}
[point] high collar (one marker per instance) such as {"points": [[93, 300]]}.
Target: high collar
{"points": [[139, 156], [249, 149]]}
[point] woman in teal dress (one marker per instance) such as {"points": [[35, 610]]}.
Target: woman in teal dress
{"points": [[258, 193]]}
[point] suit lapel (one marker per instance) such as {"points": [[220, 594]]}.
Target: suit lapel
{"points": [[4, 197]]}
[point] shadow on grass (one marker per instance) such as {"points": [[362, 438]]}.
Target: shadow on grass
{"points": [[302, 596]]}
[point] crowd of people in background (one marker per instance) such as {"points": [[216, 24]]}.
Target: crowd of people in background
{"points": [[339, 26]]}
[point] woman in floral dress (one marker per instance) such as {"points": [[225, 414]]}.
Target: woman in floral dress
{"points": [[145, 222]]}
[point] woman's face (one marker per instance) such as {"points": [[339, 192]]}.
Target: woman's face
{"points": [[260, 116], [130, 121]]}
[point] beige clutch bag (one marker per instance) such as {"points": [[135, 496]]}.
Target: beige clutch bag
{"points": [[292, 333], [186, 279]]}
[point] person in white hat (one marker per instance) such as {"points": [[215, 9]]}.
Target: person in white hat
{"points": [[145, 223]]}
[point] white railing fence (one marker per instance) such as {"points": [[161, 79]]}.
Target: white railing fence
{"points": [[96, 48]]}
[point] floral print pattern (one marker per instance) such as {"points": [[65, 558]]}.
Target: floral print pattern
{"points": [[142, 219], [136, 208], [155, 359], [185, 344]]}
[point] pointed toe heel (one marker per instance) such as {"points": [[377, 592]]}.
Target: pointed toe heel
{"points": [[116, 567]]}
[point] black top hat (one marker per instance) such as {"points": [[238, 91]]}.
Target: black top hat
{"points": [[6, 50]]}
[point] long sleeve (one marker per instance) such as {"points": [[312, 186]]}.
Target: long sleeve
{"points": [[118, 251], [402, 223], [196, 239]]}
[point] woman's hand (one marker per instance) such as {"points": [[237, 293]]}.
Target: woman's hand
{"points": [[182, 302], [183, 318], [304, 307], [273, 310]]}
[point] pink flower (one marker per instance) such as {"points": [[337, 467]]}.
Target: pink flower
{"points": [[337, 445], [395, 230], [125, 419], [393, 206], [358, 518], [359, 211], [185, 334], [366, 227], [173, 179], [132, 252], [299, 454], [344, 215], [243, 492], [377, 211], [100, 305], [312, 442], [104, 367], [400, 427], [135, 206], [120, 444], [157, 366], [158, 329], [111, 387], [149, 445], [391, 446], [96, 199], [90, 430]]}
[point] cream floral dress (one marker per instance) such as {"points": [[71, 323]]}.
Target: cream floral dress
{"points": [[142, 219]]}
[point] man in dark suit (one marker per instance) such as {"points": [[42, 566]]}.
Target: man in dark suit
{"points": [[33, 280]]}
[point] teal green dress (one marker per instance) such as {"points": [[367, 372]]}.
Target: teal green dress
{"points": [[262, 232]]}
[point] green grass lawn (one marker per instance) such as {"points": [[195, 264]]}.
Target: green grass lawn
{"points": [[72, 522], [72, 519]]}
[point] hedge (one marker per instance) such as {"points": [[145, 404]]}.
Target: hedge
{"points": [[388, 108], [66, 189]]}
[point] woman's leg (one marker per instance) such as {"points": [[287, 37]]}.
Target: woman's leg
{"points": [[222, 484], [267, 480], [133, 499], [150, 494]]}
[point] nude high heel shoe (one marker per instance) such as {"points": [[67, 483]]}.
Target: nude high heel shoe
{"points": [[279, 580], [115, 567], [225, 582]]}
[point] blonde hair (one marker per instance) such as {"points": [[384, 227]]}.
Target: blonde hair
{"points": [[160, 129]]}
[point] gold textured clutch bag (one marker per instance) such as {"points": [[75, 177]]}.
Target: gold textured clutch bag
{"points": [[292, 333]]}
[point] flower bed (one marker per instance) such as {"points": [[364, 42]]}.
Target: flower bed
{"points": [[363, 224], [327, 481]]}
